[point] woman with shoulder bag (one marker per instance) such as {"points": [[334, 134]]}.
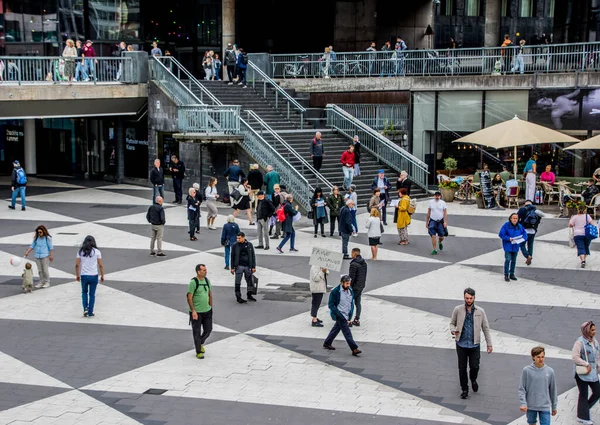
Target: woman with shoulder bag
{"points": [[243, 204], [403, 216], [586, 358], [578, 223]]}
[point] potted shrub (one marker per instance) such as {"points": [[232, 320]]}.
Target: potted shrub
{"points": [[448, 189], [479, 200], [573, 205], [450, 164]]}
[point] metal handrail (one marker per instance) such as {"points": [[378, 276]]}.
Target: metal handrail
{"points": [[50, 70], [383, 149], [177, 69], [278, 91], [172, 85], [266, 155], [209, 119], [379, 116], [278, 143]]}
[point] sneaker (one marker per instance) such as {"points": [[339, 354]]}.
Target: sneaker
{"points": [[200, 356], [251, 298], [193, 238], [585, 422], [280, 250], [46, 285], [91, 314], [267, 248], [23, 209], [259, 247], [475, 386], [347, 257], [11, 207], [315, 235], [230, 83], [161, 254], [323, 235], [202, 350], [293, 250], [583, 264], [356, 352], [38, 285], [464, 395], [152, 253], [244, 87], [441, 245], [528, 261], [275, 237], [316, 325], [512, 277], [226, 267], [241, 300], [506, 278], [356, 322], [354, 235], [434, 252], [328, 347], [85, 313]]}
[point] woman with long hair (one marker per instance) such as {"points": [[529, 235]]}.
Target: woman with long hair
{"points": [[211, 195], [586, 356], [578, 223], [42, 244], [373, 226], [318, 204], [89, 260], [243, 204], [335, 202], [69, 53]]}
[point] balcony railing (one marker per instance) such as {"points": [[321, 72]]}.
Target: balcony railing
{"points": [[473, 61], [66, 70], [379, 116], [209, 119]]}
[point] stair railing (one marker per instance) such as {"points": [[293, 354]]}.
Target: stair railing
{"points": [[287, 151], [256, 75], [379, 146], [178, 70]]}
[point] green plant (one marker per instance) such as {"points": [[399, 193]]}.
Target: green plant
{"points": [[450, 164], [448, 184], [478, 194], [572, 203]]}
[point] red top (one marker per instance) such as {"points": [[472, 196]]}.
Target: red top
{"points": [[347, 158], [88, 52]]}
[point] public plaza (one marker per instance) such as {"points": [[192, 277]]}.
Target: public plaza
{"points": [[134, 362]]}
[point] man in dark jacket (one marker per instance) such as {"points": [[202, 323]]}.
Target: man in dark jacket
{"points": [[529, 217], [358, 274], [230, 61], [177, 169], [18, 182], [346, 226], [234, 176], [157, 178], [341, 308], [243, 263], [156, 217], [382, 182], [255, 180], [317, 151], [264, 211], [357, 146], [403, 182]]}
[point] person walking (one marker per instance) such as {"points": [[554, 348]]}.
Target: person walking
{"points": [[318, 287], [358, 275], [578, 223], [357, 147], [89, 260], [211, 195], [177, 169], [352, 195], [317, 151], [44, 254], [271, 179], [529, 218], [288, 224], [157, 178], [156, 217], [341, 307], [264, 212], [519, 59], [384, 185], [200, 303], [18, 186], [229, 237], [318, 204], [347, 160], [537, 389], [404, 217], [198, 198], [278, 202], [192, 210], [373, 226], [255, 180], [234, 175], [466, 325], [346, 226], [437, 221], [242, 66], [586, 356], [335, 202], [513, 235], [243, 263], [530, 171], [243, 203], [230, 61]]}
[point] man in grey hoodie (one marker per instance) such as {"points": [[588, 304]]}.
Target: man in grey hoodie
{"points": [[537, 390]]}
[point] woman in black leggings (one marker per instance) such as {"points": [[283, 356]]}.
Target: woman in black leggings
{"points": [[318, 287]]}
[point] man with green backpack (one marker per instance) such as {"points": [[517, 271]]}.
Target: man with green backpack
{"points": [[200, 301]]}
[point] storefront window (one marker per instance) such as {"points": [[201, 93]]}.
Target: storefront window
{"points": [[501, 106]]}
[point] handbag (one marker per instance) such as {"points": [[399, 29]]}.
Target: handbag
{"points": [[253, 290], [446, 231], [591, 230], [381, 228], [310, 215], [582, 370], [235, 194]]}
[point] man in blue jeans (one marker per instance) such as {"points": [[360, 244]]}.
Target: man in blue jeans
{"points": [[18, 182], [341, 307], [537, 390], [346, 226]]}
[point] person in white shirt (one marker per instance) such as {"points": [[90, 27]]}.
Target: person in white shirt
{"points": [[89, 260], [211, 195], [437, 221]]}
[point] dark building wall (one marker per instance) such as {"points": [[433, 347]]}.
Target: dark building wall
{"points": [[577, 21], [320, 100]]}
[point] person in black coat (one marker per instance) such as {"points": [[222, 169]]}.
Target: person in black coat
{"points": [[346, 226], [177, 169], [264, 211], [288, 224], [403, 182], [358, 274], [243, 263], [357, 146], [318, 203], [198, 198], [193, 206], [382, 182], [157, 178], [255, 180]]}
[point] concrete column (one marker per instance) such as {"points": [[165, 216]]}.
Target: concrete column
{"points": [[227, 29], [120, 150], [30, 161], [493, 10]]}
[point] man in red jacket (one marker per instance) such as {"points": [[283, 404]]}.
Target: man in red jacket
{"points": [[347, 161]]}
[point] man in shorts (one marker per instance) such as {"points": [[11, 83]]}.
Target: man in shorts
{"points": [[437, 221]]}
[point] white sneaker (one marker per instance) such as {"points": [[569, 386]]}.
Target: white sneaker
{"points": [[354, 235], [38, 285], [45, 285], [585, 422], [213, 227]]}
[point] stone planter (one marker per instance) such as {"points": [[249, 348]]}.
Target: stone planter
{"points": [[447, 194], [480, 203]]}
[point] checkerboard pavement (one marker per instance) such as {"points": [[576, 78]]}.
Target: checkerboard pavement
{"points": [[133, 363]]}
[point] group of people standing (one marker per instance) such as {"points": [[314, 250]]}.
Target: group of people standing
{"points": [[236, 61]]}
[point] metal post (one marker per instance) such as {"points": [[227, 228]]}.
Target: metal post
{"points": [[276, 100]]}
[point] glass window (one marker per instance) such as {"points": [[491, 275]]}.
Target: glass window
{"points": [[423, 117], [447, 7], [504, 9], [504, 105], [114, 19], [550, 4], [526, 9], [70, 14], [459, 111], [473, 7]]}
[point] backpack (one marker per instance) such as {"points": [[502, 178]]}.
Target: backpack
{"points": [[280, 215], [412, 207], [244, 59], [198, 285], [21, 176], [531, 219]]}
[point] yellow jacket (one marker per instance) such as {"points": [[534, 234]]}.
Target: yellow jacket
{"points": [[403, 216]]}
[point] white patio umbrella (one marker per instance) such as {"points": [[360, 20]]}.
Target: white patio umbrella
{"points": [[591, 143], [513, 133]]}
